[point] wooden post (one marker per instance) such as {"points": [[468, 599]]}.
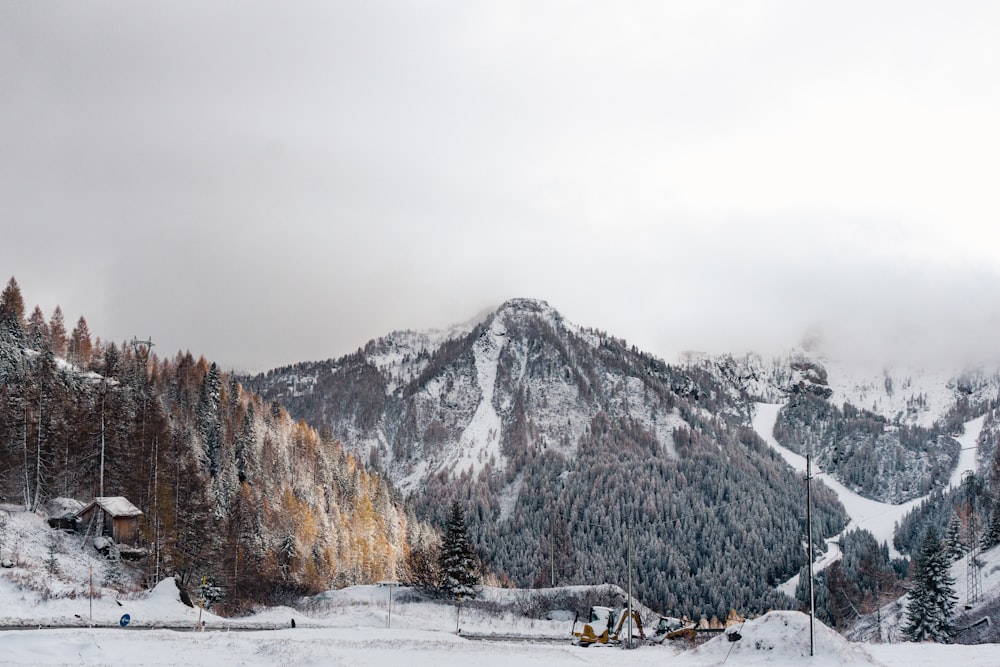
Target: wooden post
{"points": [[201, 601]]}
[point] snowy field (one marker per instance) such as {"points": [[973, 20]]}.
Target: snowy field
{"points": [[352, 627], [779, 638]]}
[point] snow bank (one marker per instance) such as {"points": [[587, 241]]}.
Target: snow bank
{"points": [[782, 638]]}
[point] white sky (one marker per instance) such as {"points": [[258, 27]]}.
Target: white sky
{"points": [[265, 183]]}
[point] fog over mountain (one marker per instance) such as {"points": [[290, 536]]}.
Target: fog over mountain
{"points": [[295, 181]]}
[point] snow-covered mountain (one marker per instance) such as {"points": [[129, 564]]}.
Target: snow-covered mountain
{"points": [[449, 401], [560, 438], [888, 432], [904, 393], [536, 422]]}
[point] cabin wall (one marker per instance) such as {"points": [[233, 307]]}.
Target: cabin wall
{"points": [[126, 529]]}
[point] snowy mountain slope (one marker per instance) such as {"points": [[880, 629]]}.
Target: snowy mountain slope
{"points": [[480, 439], [419, 404], [889, 623], [877, 517], [911, 394], [884, 431], [532, 421]]}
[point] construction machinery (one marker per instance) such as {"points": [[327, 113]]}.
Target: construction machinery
{"points": [[670, 627], [608, 626]]}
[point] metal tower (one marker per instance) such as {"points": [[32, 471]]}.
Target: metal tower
{"points": [[974, 574]]}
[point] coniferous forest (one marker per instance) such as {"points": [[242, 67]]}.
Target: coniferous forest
{"points": [[593, 447], [597, 445], [231, 487]]}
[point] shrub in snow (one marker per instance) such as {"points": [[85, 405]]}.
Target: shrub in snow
{"points": [[210, 592], [114, 575], [51, 562]]}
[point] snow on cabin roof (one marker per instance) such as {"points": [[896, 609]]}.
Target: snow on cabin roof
{"points": [[114, 505]]}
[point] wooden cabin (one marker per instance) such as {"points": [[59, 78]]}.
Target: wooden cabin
{"points": [[113, 516]]}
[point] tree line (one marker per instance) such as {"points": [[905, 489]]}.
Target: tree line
{"points": [[231, 487]]}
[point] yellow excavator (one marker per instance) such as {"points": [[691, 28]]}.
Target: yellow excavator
{"points": [[608, 626], [670, 627]]}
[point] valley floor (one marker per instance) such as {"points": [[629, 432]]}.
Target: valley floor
{"points": [[419, 648]]}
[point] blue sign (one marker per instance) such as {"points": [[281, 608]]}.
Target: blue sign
{"points": [[123, 621]]}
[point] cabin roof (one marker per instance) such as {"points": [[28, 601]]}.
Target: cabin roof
{"points": [[114, 505]]}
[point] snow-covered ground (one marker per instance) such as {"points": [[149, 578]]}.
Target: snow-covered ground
{"points": [[353, 626], [778, 638]]}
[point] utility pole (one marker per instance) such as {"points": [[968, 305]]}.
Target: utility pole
{"points": [[628, 540], [142, 349], [552, 557], [390, 584], [809, 554], [104, 392]]}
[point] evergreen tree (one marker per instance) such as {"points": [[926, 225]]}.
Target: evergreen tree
{"points": [[12, 304], [80, 346], [38, 330], [954, 548], [556, 556], [422, 561], [932, 599], [457, 560], [208, 418], [11, 332], [57, 332], [992, 536]]}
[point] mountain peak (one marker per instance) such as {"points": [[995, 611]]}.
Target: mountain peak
{"points": [[524, 306]]}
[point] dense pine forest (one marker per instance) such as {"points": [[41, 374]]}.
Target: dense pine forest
{"points": [[231, 487]]}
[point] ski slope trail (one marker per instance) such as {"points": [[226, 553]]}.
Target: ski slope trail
{"points": [[877, 517]]}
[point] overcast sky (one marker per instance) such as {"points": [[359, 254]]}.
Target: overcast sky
{"points": [[265, 183]]}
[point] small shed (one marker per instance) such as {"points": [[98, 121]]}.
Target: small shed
{"points": [[113, 516], [62, 513]]}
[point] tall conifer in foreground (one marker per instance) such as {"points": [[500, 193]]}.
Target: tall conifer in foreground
{"points": [[458, 562], [932, 600]]}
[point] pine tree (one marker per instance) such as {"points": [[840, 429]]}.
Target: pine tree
{"points": [[422, 561], [932, 599], [57, 332], [954, 548], [80, 346], [12, 304], [992, 536], [457, 560], [38, 330], [209, 399], [11, 332], [556, 555]]}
